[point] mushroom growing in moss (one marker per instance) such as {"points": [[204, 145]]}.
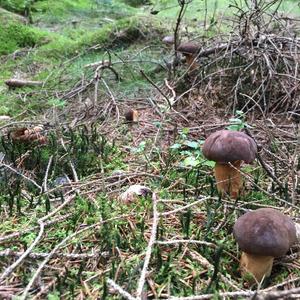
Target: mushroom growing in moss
{"points": [[228, 149], [132, 115], [262, 235], [190, 50]]}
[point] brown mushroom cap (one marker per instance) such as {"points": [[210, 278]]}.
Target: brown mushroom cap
{"points": [[131, 115], [189, 48], [169, 40], [265, 231], [225, 146]]}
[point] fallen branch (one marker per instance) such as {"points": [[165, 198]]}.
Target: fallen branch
{"points": [[16, 83], [38, 255], [149, 248]]}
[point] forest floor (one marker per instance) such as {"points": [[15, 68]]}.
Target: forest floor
{"points": [[68, 231]]}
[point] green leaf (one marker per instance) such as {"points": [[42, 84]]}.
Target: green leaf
{"points": [[53, 296], [209, 163], [235, 127], [191, 161], [175, 146], [56, 102], [157, 124], [240, 113], [185, 130], [236, 120], [191, 144]]}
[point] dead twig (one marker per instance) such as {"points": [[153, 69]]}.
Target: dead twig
{"points": [[17, 83], [157, 87]]}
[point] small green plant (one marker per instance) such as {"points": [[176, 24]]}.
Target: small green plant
{"points": [[190, 151], [238, 122], [56, 102], [88, 151]]}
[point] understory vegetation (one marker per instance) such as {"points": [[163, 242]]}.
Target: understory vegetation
{"points": [[71, 72]]}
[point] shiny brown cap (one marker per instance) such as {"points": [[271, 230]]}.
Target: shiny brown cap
{"points": [[225, 146], [169, 40], [131, 115], [189, 48], [265, 231]]}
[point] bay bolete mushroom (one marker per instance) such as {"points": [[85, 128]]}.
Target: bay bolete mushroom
{"points": [[262, 235], [190, 50], [228, 149], [131, 115]]}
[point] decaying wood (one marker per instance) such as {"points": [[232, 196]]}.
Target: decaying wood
{"points": [[16, 83]]}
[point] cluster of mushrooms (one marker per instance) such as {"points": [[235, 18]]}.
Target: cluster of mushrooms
{"points": [[262, 234]]}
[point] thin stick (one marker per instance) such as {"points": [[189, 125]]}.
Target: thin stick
{"points": [[258, 295], [262, 163], [113, 100], [184, 207], [177, 242], [149, 248], [71, 164], [158, 88], [46, 260], [47, 173], [11, 268], [24, 231], [38, 255], [22, 175], [120, 290]]}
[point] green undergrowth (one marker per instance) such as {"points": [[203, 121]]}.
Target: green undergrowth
{"points": [[117, 34], [14, 36], [48, 58], [86, 150], [84, 13], [179, 174], [16, 6], [181, 269]]}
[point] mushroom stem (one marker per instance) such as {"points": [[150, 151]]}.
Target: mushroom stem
{"points": [[297, 226], [228, 178], [190, 60], [258, 265]]}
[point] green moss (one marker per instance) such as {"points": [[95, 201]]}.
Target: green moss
{"points": [[14, 36], [123, 32], [117, 34], [14, 6], [136, 3]]}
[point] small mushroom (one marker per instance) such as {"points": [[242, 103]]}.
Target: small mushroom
{"points": [[132, 115], [262, 235], [132, 193], [28, 135], [5, 118], [168, 40], [228, 149], [74, 23], [190, 50]]}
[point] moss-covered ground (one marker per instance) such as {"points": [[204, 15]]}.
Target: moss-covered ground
{"points": [[63, 195]]}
